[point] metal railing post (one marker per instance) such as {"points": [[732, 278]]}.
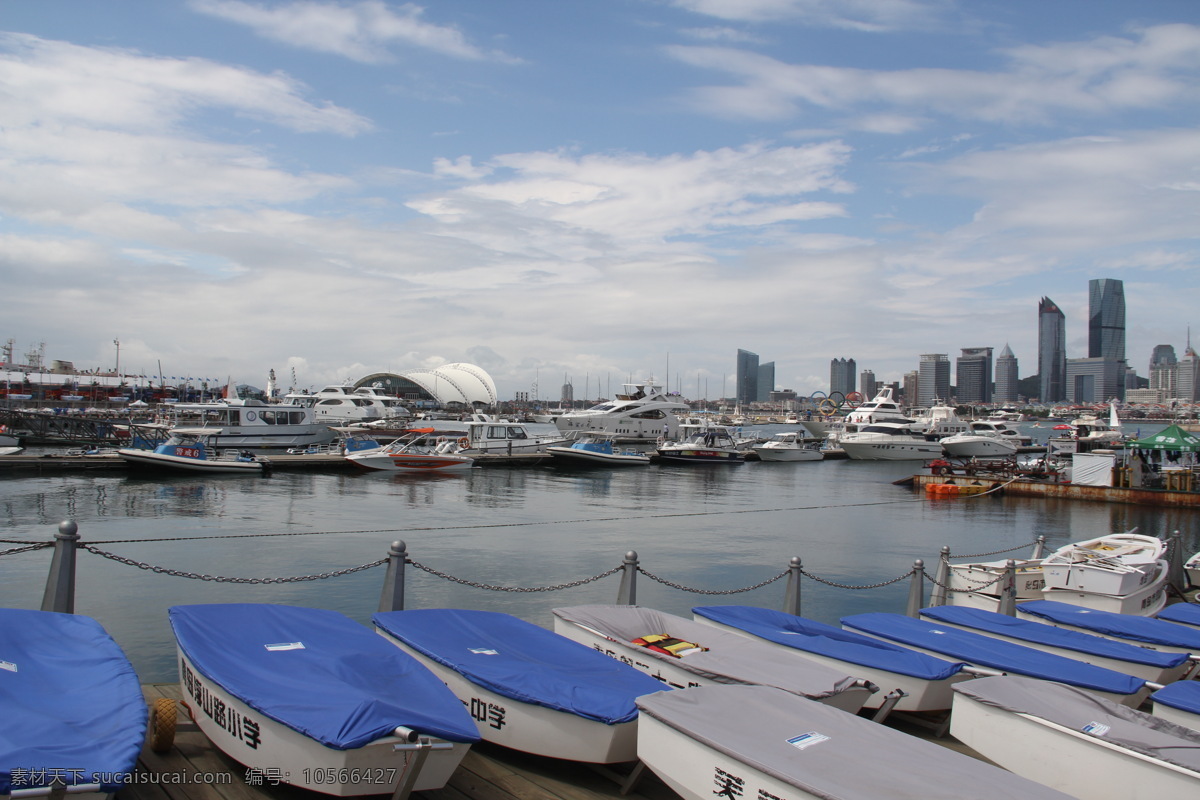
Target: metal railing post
{"points": [[937, 597], [916, 589], [791, 598], [1008, 589], [392, 596], [60, 583], [627, 594], [1175, 572], [1039, 547]]}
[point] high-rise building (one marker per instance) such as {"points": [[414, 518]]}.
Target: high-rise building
{"points": [[1052, 352], [1007, 380], [1187, 376], [842, 377], [766, 381], [568, 395], [912, 387], [1106, 319], [1164, 371], [973, 375], [867, 386], [747, 377], [1095, 380], [934, 380]]}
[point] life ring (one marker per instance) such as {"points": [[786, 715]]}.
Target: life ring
{"points": [[464, 442]]}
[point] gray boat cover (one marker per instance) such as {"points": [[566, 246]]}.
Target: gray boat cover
{"points": [[1090, 715], [827, 752], [729, 657]]}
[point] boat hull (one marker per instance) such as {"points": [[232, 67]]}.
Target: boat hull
{"points": [[890, 451], [147, 459], [261, 743], [411, 462], [788, 454], [978, 447], [691, 455], [574, 455]]}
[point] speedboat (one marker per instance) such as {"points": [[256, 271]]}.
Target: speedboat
{"points": [[713, 445], [640, 411], [488, 434], [420, 450], [527, 688], [681, 653], [924, 680], [787, 447], [253, 425], [889, 441], [940, 420], [1075, 742], [979, 444], [1002, 429], [73, 708], [1117, 564], [598, 449], [193, 451], [313, 697], [761, 742]]}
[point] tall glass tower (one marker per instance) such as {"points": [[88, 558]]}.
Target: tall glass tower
{"points": [[1052, 352], [747, 377], [1106, 319]]}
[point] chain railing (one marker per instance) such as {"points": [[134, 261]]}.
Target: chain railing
{"points": [[177, 573], [693, 590], [493, 588]]}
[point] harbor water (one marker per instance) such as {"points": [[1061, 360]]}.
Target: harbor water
{"points": [[714, 528]]}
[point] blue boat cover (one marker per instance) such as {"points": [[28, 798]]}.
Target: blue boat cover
{"points": [[522, 661], [318, 672], [1183, 695], [1125, 626], [985, 651], [1183, 613], [826, 640], [71, 706], [1041, 633]]}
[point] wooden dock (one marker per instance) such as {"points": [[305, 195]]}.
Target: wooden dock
{"points": [[487, 773]]}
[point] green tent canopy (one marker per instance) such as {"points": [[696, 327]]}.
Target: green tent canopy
{"points": [[1174, 438]]}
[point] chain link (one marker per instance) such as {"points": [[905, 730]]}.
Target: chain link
{"points": [[664, 582], [26, 548], [220, 579], [994, 552], [492, 588], [851, 586], [974, 587]]}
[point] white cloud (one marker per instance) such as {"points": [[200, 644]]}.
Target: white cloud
{"points": [[862, 15]]}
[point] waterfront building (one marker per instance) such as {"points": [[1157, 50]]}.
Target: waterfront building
{"points": [[747, 378], [1106, 319], [567, 399], [842, 375], [973, 375], [1095, 380], [766, 382], [934, 382], [1164, 370], [1187, 375], [868, 387], [1052, 352], [1007, 378], [911, 390]]}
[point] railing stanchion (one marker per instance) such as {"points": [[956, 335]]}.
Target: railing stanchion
{"points": [[627, 594], [60, 583], [392, 596]]}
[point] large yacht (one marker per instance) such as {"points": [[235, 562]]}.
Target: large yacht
{"points": [[343, 404], [640, 411], [889, 441], [253, 424]]}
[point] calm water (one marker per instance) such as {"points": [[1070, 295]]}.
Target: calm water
{"points": [[712, 527]]}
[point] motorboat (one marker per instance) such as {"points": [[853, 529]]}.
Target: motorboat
{"points": [[1153, 634], [1006, 414], [788, 447], [316, 699], [420, 450], [889, 441], [9, 444], [977, 650], [761, 742], [1000, 428], [489, 434], [640, 411], [252, 424], [527, 688], [1087, 433], [979, 444], [681, 653], [940, 420], [75, 719], [193, 451], [923, 679], [1116, 564], [1123, 657], [343, 404], [1074, 742], [594, 448], [1178, 703], [713, 445], [548, 416], [883, 407], [351, 439]]}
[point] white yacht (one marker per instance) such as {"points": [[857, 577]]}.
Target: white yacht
{"points": [[253, 424], [488, 434], [979, 444], [883, 407], [1002, 429], [342, 404], [940, 420], [889, 441], [640, 411]]}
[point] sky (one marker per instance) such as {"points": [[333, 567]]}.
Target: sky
{"points": [[594, 191]]}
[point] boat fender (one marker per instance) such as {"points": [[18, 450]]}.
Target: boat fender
{"points": [[668, 645], [464, 443]]}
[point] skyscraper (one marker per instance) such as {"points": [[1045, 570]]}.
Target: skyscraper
{"points": [[1187, 376], [933, 382], [747, 377], [868, 387], [766, 381], [1106, 319], [1052, 352], [842, 377], [1007, 380], [1164, 370], [973, 375]]}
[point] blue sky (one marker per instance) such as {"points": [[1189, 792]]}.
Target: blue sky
{"points": [[596, 189]]}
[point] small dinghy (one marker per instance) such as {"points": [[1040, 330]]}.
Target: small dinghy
{"points": [[527, 688], [1179, 703], [1153, 633], [749, 742], [73, 710], [683, 653], [1074, 741], [1146, 664], [1182, 614], [924, 679], [984, 651], [316, 699], [1117, 564]]}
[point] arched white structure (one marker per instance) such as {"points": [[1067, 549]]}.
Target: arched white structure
{"points": [[455, 383]]}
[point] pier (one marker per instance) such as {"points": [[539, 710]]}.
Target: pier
{"points": [[1062, 491]]}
